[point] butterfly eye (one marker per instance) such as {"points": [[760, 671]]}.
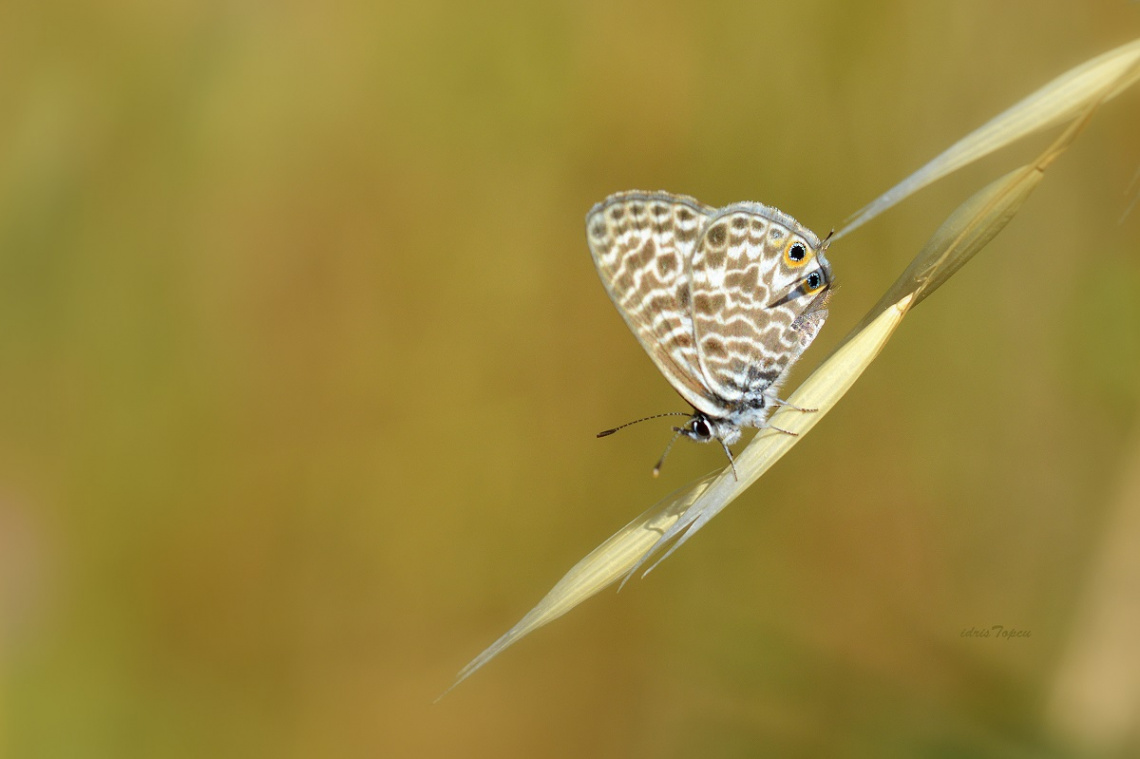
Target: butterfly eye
{"points": [[701, 428], [796, 254], [813, 282]]}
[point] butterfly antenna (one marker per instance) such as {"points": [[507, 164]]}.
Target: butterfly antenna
{"points": [[660, 461], [604, 433]]}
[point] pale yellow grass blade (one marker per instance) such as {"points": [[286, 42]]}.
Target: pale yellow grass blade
{"points": [[622, 553], [678, 517], [960, 237], [607, 563], [1102, 78]]}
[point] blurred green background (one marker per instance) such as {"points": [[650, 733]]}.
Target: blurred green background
{"points": [[302, 355]]}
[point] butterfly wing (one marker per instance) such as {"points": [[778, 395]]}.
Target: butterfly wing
{"points": [[760, 284], [642, 244]]}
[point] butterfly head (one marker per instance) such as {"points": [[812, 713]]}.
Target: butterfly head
{"points": [[704, 429]]}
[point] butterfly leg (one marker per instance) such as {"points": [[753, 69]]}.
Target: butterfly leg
{"points": [[787, 432], [731, 461], [678, 431], [779, 402]]}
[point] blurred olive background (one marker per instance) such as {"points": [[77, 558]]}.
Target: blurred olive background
{"points": [[302, 355]]}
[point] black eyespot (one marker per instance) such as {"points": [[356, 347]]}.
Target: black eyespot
{"points": [[814, 280], [797, 252]]}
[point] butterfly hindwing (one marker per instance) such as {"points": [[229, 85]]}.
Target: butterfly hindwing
{"points": [[756, 304]]}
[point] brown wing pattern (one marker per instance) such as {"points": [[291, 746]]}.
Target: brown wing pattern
{"points": [[755, 304], [642, 244]]}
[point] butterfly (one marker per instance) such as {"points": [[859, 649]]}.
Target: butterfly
{"points": [[724, 300]]}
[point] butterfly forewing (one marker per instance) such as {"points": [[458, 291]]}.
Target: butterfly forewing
{"points": [[642, 244], [752, 309]]}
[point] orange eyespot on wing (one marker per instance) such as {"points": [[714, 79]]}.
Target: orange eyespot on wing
{"points": [[796, 255]]}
